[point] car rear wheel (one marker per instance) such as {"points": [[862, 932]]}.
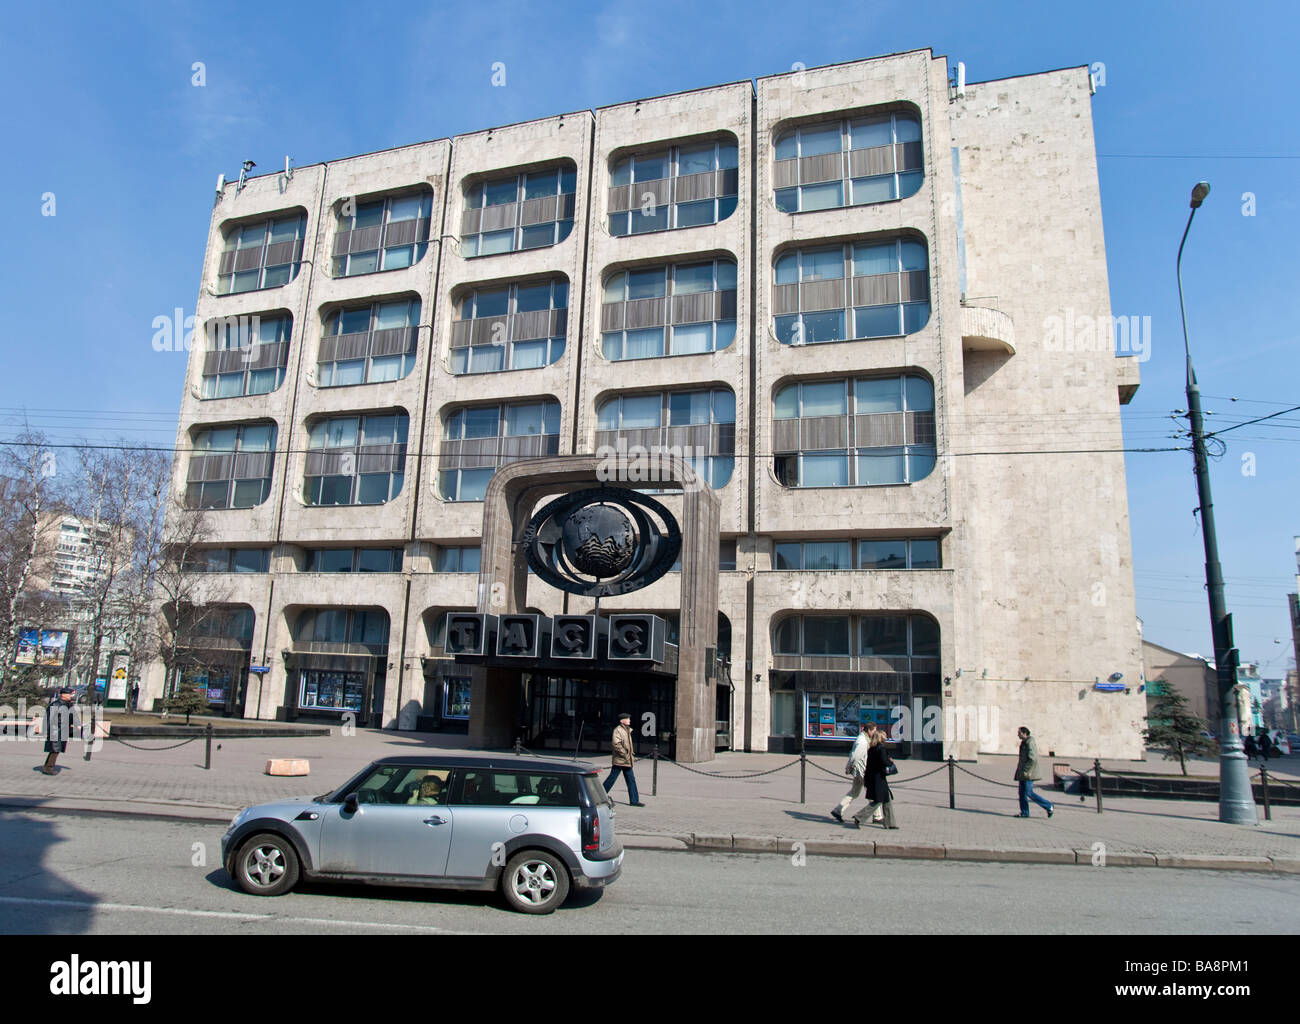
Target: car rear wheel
{"points": [[266, 865], [535, 882]]}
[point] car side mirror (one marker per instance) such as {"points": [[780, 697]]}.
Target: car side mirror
{"points": [[350, 803]]}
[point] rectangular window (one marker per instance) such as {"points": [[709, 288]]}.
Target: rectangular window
{"points": [[384, 234], [369, 344], [886, 296], [355, 460], [246, 355], [870, 160], [231, 466], [683, 187], [525, 211], [509, 329], [477, 439], [262, 255]]}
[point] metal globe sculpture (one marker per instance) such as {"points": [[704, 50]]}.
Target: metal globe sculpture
{"points": [[599, 540], [602, 541]]}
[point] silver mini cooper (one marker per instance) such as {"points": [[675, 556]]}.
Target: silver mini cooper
{"points": [[531, 828]]}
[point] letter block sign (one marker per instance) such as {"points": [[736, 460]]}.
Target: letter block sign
{"points": [[637, 638], [574, 636], [467, 632], [517, 636]]}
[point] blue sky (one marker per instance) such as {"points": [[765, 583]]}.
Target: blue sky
{"points": [[103, 114]]}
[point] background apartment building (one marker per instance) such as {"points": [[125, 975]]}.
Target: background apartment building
{"points": [[842, 286]]}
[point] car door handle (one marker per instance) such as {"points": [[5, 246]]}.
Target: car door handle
{"points": [[435, 820]]}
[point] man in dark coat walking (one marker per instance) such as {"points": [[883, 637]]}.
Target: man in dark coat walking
{"points": [[61, 723], [1027, 773]]}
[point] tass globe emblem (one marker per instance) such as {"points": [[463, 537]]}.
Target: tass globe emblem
{"points": [[602, 541]]}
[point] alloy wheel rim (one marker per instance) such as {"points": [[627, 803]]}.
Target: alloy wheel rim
{"points": [[534, 882], [264, 865]]}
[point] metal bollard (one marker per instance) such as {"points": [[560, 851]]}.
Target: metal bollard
{"points": [[1263, 778], [1096, 767], [952, 783], [803, 777], [654, 770], [207, 746]]}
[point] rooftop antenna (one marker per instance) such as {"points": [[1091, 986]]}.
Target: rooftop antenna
{"points": [[288, 168], [243, 175], [221, 186], [961, 80]]}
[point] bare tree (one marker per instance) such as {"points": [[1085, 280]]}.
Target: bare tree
{"points": [[188, 604], [28, 526], [110, 484]]}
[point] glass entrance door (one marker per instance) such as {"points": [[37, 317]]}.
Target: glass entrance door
{"points": [[579, 715]]}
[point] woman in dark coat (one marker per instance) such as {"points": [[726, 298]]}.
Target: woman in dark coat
{"points": [[876, 786]]}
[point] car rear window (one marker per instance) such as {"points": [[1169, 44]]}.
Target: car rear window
{"points": [[496, 789], [595, 790]]}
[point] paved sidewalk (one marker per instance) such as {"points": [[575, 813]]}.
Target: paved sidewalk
{"points": [[719, 810]]}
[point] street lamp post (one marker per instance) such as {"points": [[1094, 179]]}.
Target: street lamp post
{"points": [[1236, 800]]}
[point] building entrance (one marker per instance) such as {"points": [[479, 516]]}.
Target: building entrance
{"points": [[578, 714]]}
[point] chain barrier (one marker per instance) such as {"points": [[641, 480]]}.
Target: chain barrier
{"points": [[1008, 785], [134, 746], [718, 775]]}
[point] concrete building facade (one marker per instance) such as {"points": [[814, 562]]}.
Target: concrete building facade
{"points": [[873, 309]]}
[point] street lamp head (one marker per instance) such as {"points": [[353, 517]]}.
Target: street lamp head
{"points": [[1199, 192]]}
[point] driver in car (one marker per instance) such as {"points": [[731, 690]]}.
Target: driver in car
{"points": [[430, 791]]}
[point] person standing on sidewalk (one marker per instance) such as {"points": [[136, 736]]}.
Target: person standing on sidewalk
{"points": [[623, 759], [878, 793], [1027, 773], [61, 721], [856, 767]]}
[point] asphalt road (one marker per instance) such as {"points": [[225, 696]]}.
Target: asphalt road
{"points": [[91, 875]]}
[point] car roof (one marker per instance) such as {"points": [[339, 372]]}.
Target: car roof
{"points": [[504, 762]]}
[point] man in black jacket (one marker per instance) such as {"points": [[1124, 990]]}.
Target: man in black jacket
{"points": [[61, 723]]}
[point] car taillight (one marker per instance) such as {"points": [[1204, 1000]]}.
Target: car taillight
{"points": [[593, 839]]}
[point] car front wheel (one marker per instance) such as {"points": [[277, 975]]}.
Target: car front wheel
{"points": [[266, 865], [535, 882]]}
